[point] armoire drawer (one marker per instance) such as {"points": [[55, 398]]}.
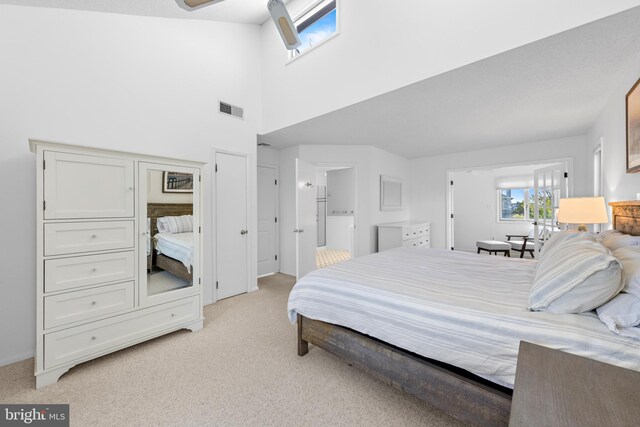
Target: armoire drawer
{"points": [[81, 341], [77, 237], [87, 304], [81, 271]]}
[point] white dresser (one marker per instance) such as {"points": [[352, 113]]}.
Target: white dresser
{"points": [[94, 295], [403, 234]]}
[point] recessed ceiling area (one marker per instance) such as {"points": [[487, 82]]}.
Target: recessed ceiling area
{"points": [[238, 11], [552, 88]]}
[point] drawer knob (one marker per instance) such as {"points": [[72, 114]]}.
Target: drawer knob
{"points": [[93, 338], [173, 315], [93, 236], [130, 188], [93, 270], [93, 303]]}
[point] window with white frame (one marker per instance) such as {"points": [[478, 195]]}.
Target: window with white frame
{"points": [[316, 25], [518, 204]]}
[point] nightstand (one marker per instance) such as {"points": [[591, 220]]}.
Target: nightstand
{"points": [[554, 388]]}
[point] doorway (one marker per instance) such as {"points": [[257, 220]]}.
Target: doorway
{"points": [[231, 213], [267, 220], [326, 197], [494, 202], [335, 214], [597, 177]]}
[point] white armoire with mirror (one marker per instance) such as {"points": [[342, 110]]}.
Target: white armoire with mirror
{"points": [[119, 252]]}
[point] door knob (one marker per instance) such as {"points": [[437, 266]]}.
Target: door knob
{"points": [[243, 232]]}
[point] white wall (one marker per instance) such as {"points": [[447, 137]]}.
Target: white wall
{"points": [[132, 83], [385, 45], [268, 156], [369, 163], [340, 192], [429, 175], [611, 128]]}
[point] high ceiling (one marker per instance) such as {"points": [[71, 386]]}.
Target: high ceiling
{"points": [[552, 88], [240, 11]]}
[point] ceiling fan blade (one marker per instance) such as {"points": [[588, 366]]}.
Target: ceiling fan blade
{"points": [[195, 4], [284, 24]]}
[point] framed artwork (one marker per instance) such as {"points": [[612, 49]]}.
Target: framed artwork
{"points": [[390, 193], [633, 129], [177, 182]]}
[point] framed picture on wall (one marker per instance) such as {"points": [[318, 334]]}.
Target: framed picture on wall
{"points": [[390, 193], [177, 182], [633, 129]]}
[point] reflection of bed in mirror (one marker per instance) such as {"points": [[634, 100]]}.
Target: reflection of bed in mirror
{"points": [[170, 255]]}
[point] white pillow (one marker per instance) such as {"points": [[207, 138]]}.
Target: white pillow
{"points": [[629, 257], [613, 240], [575, 277], [175, 224], [621, 315], [565, 236]]}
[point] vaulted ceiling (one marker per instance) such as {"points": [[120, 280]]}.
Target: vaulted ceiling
{"points": [[551, 88]]}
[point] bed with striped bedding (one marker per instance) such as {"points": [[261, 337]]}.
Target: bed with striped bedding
{"points": [[463, 309]]}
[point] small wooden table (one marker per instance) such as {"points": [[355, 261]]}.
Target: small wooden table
{"points": [[554, 388]]}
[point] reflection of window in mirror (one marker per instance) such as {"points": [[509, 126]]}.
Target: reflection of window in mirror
{"points": [[390, 193], [170, 240]]}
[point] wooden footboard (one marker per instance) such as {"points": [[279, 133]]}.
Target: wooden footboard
{"points": [[174, 267], [452, 390]]}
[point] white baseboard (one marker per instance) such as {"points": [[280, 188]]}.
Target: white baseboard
{"points": [[265, 275], [17, 358]]}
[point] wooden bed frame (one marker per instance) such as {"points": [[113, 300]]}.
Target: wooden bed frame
{"points": [[155, 211], [626, 217], [455, 391]]}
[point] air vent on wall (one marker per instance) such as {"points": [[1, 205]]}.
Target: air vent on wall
{"points": [[231, 110]]}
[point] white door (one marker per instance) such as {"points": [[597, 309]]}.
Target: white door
{"points": [[267, 221], [232, 245], [550, 184], [94, 187], [306, 225]]}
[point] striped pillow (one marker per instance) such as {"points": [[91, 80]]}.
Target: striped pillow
{"points": [[175, 224], [575, 277], [563, 236]]}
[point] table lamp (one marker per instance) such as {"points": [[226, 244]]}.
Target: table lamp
{"points": [[583, 210]]}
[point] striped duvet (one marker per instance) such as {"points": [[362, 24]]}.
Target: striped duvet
{"points": [[464, 309], [178, 246]]}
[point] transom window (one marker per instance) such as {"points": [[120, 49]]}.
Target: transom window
{"points": [[518, 204], [316, 25]]}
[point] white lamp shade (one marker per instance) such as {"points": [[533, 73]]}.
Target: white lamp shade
{"points": [[583, 210]]}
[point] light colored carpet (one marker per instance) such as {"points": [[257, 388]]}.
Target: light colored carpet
{"points": [[326, 257], [163, 281], [240, 370]]}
